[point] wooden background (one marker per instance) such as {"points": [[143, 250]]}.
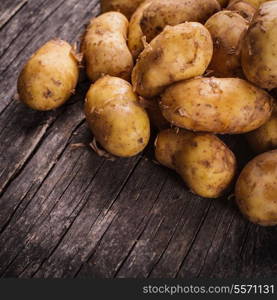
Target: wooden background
{"points": [[65, 212]]}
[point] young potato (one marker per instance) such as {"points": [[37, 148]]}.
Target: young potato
{"points": [[126, 7], [245, 9], [259, 48], [256, 190], [179, 52], [227, 29], [206, 165], [105, 47], [115, 117], [161, 13], [135, 35], [49, 77], [265, 138], [218, 105], [168, 143]]}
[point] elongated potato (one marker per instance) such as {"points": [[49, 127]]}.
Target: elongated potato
{"points": [[265, 138], [105, 47], [115, 118], [135, 34], [126, 7], [49, 77], [179, 52], [260, 47], [218, 105], [206, 164], [243, 8], [173, 12], [227, 29], [168, 143], [256, 190]]}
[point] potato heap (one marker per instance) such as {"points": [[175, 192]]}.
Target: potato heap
{"points": [[195, 70]]}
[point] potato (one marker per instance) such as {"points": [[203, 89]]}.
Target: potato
{"points": [[126, 7], [168, 143], [245, 9], [135, 34], [227, 29], [218, 105], [179, 52], [265, 138], [256, 3], [256, 190], [115, 118], [259, 48], [206, 165], [49, 77], [105, 47], [173, 12]]}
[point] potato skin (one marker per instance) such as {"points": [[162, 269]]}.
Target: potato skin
{"points": [[218, 105], [49, 77], [256, 3], [168, 143], [105, 47], [179, 52], [115, 118], [265, 138], [245, 9], [260, 47], [126, 7], [206, 165], [256, 190], [135, 34], [223, 3], [227, 29], [173, 12]]}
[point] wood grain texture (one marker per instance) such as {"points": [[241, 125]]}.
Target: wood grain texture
{"points": [[66, 213]]}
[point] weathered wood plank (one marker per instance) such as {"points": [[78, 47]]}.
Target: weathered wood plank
{"points": [[8, 9]]}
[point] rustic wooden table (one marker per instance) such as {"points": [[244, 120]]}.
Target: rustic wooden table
{"points": [[65, 212]]}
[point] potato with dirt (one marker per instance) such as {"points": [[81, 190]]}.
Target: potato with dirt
{"points": [[256, 190], [179, 52], [259, 47], [126, 7], [206, 165], [135, 34], [116, 119], [49, 77], [227, 29], [243, 8], [105, 49], [217, 105], [265, 138], [161, 13]]}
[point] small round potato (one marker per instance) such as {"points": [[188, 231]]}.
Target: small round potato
{"points": [[179, 52], [256, 190], [168, 143], [217, 105], [245, 9], [227, 29], [161, 13], [206, 165], [259, 48], [105, 47], [126, 7], [265, 138], [115, 118], [49, 77], [135, 34]]}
